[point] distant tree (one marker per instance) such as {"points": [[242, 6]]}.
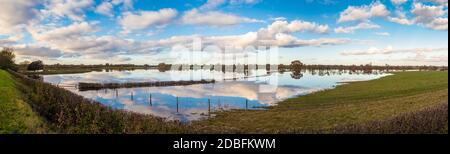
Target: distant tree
{"points": [[268, 67], [162, 67], [281, 68], [7, 59], [36, 65], [25, 63], [296, 65]]}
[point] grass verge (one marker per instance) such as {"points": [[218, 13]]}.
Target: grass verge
{"points": [[16, 116]]}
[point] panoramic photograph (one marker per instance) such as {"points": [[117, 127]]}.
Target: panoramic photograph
{"points": [[223, 67]]}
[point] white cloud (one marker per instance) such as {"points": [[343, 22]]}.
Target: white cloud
{"points": [[248, 2], [294, 26], [401, 17], [278, 19], [105, 8], [214, 18], [438, 24], [401, 20], [352, 29], [430, 16], [276, 34], [212, 4], [127, 4], [145, 19], [288, 41], [11, 40], [391, 50], [37, 51], [363, 13], [420, 57], [79, 40], [6, 42], [74, 30], [206, 14], [426, 13], [383, 34], [72, 9], [398, 2], [440, 2], [14, 13], [76, 38]]}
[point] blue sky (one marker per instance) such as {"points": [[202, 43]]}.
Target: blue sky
{"points": [[395, 32]]}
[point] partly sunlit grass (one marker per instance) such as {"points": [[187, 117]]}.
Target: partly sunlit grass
{"points": [[349, 104]]}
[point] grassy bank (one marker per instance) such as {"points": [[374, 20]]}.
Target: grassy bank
{"points": [[16, 116], [351, 104], [67, 112]]}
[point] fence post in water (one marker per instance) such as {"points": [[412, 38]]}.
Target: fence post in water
{"points": [[151, 104], [177, 104], [246, 104], [132, 96], [209, 107]]}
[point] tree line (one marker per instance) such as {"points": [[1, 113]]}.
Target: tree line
{"points": [[7, 61]]}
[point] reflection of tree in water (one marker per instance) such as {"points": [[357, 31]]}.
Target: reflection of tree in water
{"points": [[296, 74], [36, 77]]}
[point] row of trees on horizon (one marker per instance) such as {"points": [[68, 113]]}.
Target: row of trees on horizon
{"points": [[7, 61]]}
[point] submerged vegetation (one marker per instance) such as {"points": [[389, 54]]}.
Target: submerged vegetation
{"points": [[97, 86]]}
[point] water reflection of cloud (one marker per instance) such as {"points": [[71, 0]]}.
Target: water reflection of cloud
{"points": [[188, 114], [243, 89], [194, 98]]}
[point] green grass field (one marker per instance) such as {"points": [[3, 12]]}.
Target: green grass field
{"points": [[16, 116], [349, 104]]}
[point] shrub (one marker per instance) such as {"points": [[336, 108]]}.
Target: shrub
{"points": [[36, 65], [7, 59], [432, 120], [67, 112]]}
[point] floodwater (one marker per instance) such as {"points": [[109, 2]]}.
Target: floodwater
{"points": [[232, 90]]}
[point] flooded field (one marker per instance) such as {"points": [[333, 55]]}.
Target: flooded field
{"points": [[231, 90]]}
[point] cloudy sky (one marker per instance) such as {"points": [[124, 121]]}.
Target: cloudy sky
{"points": [[395, 32]]}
